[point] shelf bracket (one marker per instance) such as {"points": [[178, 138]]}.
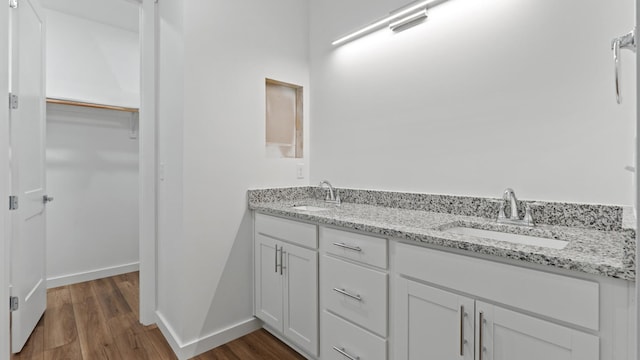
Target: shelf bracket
{"points": [[135, 125]]}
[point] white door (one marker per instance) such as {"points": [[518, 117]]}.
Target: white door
{"points": [[28, 280], [507, 335], [268, 281], [301, 297], [432, 323]]}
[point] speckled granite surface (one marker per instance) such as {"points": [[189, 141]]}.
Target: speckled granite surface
{"points": [[595, 246]]}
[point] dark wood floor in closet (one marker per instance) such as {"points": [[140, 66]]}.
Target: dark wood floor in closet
{"points": [[99, 320]]}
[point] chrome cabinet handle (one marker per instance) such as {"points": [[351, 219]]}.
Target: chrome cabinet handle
{"points": [[481, 342], [344, 292], [349, 247], [280, 264], [462, 314], [344, 353], [627, 41]]}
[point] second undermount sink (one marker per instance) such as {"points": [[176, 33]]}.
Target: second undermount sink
{"points": [[508, 237], [309, 208]]}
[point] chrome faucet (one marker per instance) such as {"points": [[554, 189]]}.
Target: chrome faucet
{"points": [[332, 196], [510, 196]]}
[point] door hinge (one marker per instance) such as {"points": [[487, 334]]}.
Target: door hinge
{"points": [[13, 101], [14, 303], [13, 202], [13, 4]]}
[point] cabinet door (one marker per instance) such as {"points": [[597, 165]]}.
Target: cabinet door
{"points": [[301, 297], [507, 335], [432, 324], [268, 281]]}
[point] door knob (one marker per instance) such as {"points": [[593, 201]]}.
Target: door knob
{"points": [[46, 199]]}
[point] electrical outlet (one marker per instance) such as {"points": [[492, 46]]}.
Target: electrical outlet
{"points": [[300, 171]]}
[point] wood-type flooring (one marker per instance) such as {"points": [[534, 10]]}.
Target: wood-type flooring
{"points": [[98, 320]]}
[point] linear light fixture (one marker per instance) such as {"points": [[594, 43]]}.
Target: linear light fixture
{"points": [[408, 21], [392, 18]]}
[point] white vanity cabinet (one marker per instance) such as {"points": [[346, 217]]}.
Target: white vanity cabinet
{"points": [[446, 325], [344, 295], [434, 322], [509, 335], [353, 295], [286, 279], [450, 306]]}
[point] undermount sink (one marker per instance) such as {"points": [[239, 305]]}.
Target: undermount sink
{"points": [[508, 237], [309, 208]]}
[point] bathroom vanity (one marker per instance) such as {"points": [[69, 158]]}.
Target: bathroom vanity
{"points": [[382, 276]]}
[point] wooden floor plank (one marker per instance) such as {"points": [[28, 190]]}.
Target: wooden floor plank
{"points": [[131, 338], [98, 320], [268, 346], [130, 290], [111, 300], [70, 351], [94, 335], [59, 320], [160, 343]]}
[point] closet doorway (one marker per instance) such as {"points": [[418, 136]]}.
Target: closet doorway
{"points": [[93, 148]]}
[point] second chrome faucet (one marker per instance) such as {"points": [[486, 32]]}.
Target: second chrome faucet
{"points": [[510, 196]]}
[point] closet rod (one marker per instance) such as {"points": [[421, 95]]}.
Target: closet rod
{"points": [[91, 105]]}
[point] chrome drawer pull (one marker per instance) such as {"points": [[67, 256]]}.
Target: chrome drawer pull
{"points": [[344, 292], [349, 247], [346, 354]]}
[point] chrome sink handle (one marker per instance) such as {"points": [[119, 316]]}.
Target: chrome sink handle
{"points": [[528, 218], [627, 41]]}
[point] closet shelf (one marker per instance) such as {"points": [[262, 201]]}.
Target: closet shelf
{"points": [[91, 105]]}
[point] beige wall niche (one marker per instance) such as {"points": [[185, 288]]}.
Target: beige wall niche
{"points": [[283, 119]]}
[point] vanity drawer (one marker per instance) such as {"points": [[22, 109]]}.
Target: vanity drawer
{"points": [[288, 230], [339, 335], [365, 249], [356, 293]]}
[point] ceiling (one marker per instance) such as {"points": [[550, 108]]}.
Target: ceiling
{"points": [[118, 13]]}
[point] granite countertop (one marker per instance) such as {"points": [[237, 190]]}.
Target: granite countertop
{"points": [[601, 252]]}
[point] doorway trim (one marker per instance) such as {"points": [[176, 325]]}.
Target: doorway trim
{"points": [[148, 159], [5, 350]]}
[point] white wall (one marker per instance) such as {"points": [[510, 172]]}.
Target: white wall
{"points": [[171, 284], [482, 96], [92, 173], [92, 61], [212, 145]]}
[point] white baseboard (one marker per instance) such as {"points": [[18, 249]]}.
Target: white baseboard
{"points": [[205, 343], [64, 280]]}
